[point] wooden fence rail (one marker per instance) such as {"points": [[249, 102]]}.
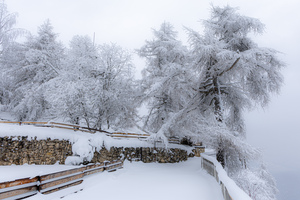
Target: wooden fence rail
{"points": [[79, 128], [53, 182], [19, 188], [129, 135]]}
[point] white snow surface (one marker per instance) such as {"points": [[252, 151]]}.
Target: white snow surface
{"points": [[137, 180]]}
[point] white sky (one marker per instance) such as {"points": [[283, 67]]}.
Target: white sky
{"points": [[128, 23]]}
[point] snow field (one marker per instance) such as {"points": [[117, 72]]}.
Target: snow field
{"points": [[149, 181]]}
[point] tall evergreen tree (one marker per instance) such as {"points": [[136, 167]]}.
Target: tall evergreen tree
{"points": [[39, 61], [234, 73], [8, 32], [8, 49], [164, 78]]}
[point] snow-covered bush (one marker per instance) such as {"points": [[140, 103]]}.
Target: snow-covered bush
{"points": [[258, 184]]}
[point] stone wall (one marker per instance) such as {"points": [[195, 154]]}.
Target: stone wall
{"points": [[20, 150], [144, 154]]}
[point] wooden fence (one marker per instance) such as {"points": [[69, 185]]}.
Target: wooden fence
{"points": [[128, 135], [53, 182], [79, 128], [116, 135], [211, 169]]}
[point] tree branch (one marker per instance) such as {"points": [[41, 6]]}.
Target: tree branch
{"points": [[230, 67]]}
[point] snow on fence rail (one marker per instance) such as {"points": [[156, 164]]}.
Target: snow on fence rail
{"points": [[53, 182], [229, 188], [128, 135], [79, 128]]}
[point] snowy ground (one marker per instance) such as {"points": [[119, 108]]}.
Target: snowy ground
{"points": [[136, 181]]}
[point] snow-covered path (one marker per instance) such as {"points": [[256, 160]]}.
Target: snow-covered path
{"points": [[141, 181]]}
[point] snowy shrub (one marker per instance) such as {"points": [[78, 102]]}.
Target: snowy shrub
{"points": [[83, 149], [73, 160], [32, 106], [259, 185]]}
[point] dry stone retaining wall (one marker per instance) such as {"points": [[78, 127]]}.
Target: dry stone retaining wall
{"points": [[20, 150], [144, 154]]}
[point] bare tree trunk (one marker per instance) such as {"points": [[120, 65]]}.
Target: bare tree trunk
{"points": [[220, 156]]}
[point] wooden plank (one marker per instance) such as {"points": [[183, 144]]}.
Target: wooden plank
{"points": [[94, 129], [119, 133], [93, 171], [88, 167], [74, 129], [13, 122], [34, 122], [60, 181], [127, 136], [112, 162], [124, 136], [18, 182], [56, 123], [114, 167], [44, 125], [61, 173], [9, 122], [20, 191], [63, 187], [116, 161]]}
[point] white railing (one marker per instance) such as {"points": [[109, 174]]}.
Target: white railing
{"points": [[229, 189]]}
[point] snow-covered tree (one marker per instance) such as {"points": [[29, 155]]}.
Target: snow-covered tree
{"points": [[75, 80], [30, 66], [8, 47], [8, 32], [233, 72], [164, 83], [95, 85], [118, 87], [44, 54]]}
